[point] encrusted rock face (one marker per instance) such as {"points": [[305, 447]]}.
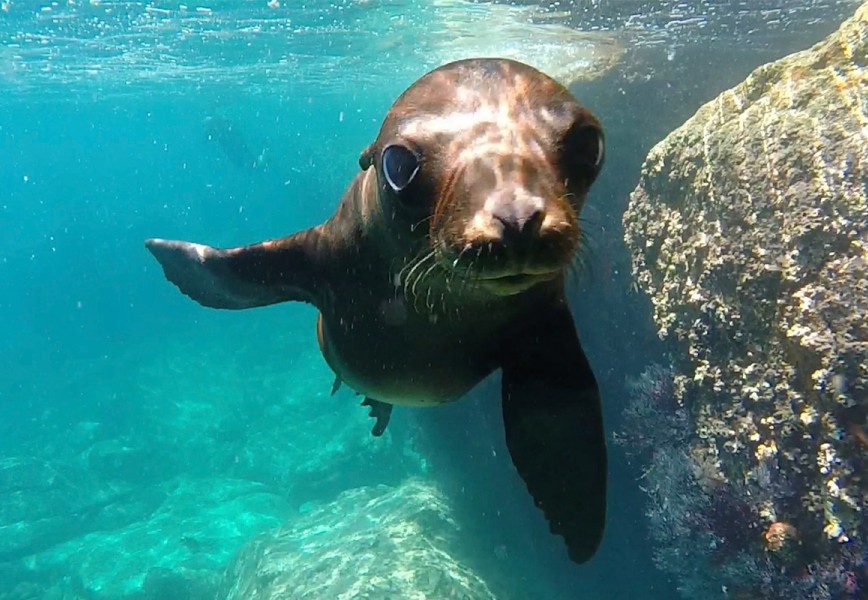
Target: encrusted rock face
{"points": [[749, 232], [370, 543]]}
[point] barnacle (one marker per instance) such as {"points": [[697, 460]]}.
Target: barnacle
{"points": [[778, 535]]}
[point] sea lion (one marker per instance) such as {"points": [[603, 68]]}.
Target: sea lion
{"points": [[444, 261], [232, 142]]}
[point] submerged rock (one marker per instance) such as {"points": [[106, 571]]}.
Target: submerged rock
{"points": [[46, 502], [181, 547], [370, 543], [749, 232], [173, 459]]}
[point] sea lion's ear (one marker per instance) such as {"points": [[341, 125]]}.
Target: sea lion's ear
{"points": [[554, 428], [366, 158]]}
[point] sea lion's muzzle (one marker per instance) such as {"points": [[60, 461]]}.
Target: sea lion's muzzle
{"points": [[515, 230]]}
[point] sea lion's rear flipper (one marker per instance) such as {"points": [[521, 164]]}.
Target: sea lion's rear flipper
{"points": [[244, 277], [382, 412], [554, 429]]}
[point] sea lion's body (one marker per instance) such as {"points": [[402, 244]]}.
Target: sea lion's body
{"points": [[449, 357], [365, 330], [445, 261]]}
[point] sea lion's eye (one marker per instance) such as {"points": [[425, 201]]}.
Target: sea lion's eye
{"points": [[400, 165], [587, 147]]}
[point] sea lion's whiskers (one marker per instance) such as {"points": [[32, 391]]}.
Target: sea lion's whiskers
{"points": [[429, 255], [422, 277], [444, 308], [448, 276], [410, 264], [584, 251], [479, 255], [469, 277], [399, 279], [411, 283], [408, 294], [420, 222], [464, 282], [452, 273], [581, 265]]}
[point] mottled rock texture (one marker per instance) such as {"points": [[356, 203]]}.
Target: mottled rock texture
{"points": [[749, 232], [376, 543]]}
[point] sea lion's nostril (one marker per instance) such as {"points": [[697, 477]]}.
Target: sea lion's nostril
{"points": [[533, 223], [521, 225]]}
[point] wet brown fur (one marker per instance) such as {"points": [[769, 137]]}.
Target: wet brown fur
{"points": [[425, 291]]}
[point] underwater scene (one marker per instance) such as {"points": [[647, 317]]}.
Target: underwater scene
{"points": [[433, 299]]}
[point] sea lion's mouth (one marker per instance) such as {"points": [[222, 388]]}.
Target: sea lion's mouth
{"points": [[507, 285], [498, 274]]}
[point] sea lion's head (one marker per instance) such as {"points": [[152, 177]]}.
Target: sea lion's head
{"points": [[485, 165]]}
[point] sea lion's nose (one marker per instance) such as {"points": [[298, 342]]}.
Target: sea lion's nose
{"points": [[513, 219], [520, 225]]}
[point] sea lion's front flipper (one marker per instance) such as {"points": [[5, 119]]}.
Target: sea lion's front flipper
{"points": [[382, 412], [245, 277], [554, 429]]}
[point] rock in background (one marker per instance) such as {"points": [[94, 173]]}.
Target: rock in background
{"points": [[152, 472], [749, 231], [376, 543]]}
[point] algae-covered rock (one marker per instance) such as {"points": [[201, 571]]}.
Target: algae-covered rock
{"points": [[749, 232], [370, 543]]}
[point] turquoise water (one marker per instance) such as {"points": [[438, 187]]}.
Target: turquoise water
{"points": [[144, 440]]}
